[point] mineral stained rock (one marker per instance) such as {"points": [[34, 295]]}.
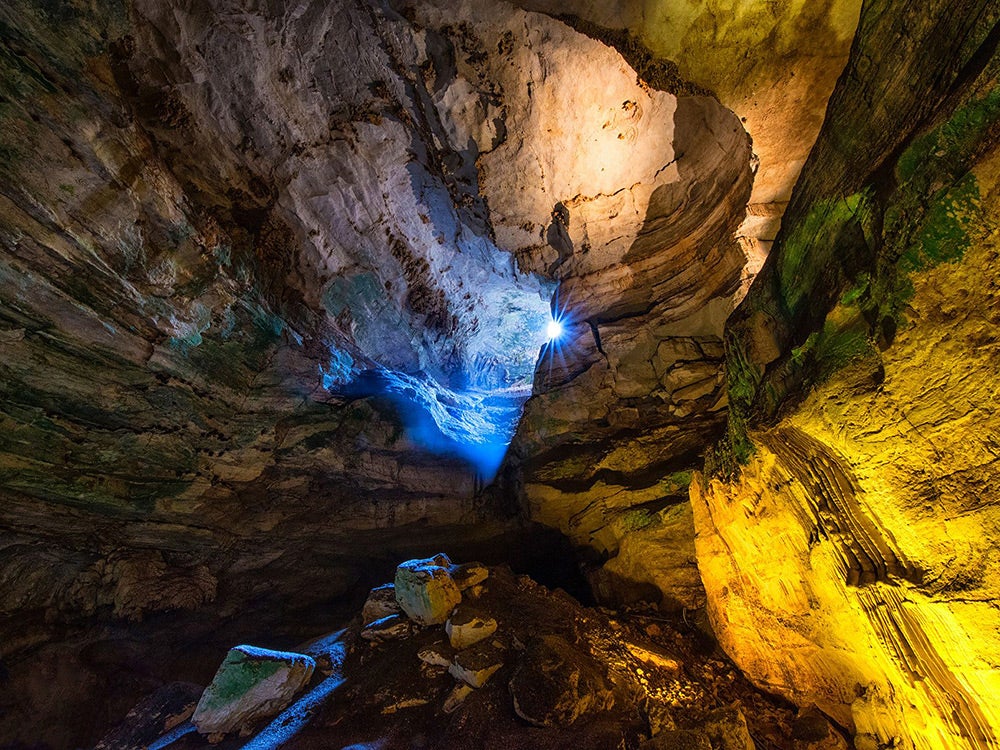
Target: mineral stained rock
{"points": [[847, 539], [252, 684], [425, 590]]}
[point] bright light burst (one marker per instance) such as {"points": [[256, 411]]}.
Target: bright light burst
{"points": [[554, 330]]}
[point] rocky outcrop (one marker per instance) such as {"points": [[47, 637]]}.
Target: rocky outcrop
{"points": [[633, 390], [635, 394], [848, 559]]}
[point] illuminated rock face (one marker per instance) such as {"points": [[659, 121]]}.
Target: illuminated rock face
{"points": [[851, 561], [626, 401], [648, 265], [780, 96]]}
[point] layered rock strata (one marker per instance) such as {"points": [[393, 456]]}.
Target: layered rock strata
{"points": [[849, 560]]}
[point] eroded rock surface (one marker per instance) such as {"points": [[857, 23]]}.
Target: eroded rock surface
{"points": [[224, 228], [849, 559]]}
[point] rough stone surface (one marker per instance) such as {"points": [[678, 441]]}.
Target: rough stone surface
{"points": [[845, 540], [774, 65], [381, 602], [583, 464], [252, 684], [555, 684], [425, 590], [467, 626]]}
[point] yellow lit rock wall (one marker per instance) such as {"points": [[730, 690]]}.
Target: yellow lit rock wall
{"points": [[854, 563]]}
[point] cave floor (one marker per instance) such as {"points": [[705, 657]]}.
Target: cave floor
{"points": [[640, 672]]}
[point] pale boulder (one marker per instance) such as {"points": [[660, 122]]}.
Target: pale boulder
{"points": [[467, 626], [425, 590], [251, 685]]}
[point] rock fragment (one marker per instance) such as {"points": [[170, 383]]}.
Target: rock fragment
{"points": [[468, 575], [467, 626], [475, 665], [438, 654], [250, 685], [456, 697], [425, 590], [390, 628], [381, 603]]}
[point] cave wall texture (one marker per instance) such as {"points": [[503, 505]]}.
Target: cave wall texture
{"points": [[605, 451], [851, 561], [217, 219]]}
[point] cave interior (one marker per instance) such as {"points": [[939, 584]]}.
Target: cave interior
{"points": [[549, 374]]}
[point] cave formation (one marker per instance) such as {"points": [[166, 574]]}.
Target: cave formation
{"points": [[687, 308]]}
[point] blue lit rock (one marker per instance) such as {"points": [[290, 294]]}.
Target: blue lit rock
{"points": [[251, 685], [425, 590]]}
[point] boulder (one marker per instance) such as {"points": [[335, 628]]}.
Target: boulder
{"points": [[468, 575], [390, 628], [475, 665], [425, 590], [556, 683], [467, 626], [727, 728], [381, 603], [252, 684]]}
